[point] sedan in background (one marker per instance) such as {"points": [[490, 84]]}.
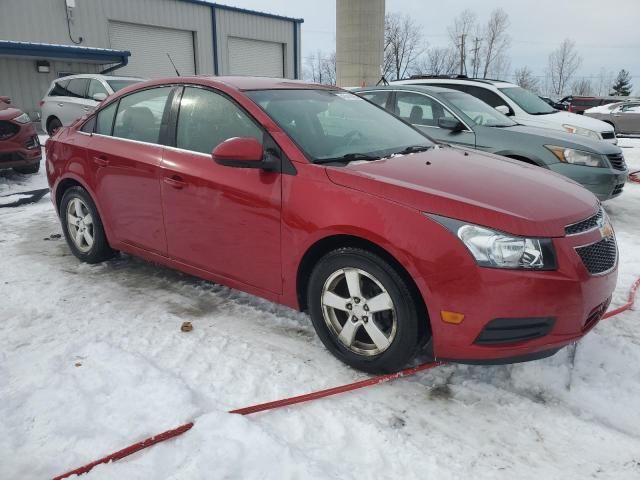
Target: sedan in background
{"points": [[19, 144], [457, 118], [69, 98], [310, 196], [625, 117]]}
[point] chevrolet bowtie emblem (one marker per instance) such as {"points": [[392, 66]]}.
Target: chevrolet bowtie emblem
{"points": [[606, 231]]}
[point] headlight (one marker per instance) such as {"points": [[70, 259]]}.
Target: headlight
{"points": [[582, 131], [494, 249], [24, 118], [577, 157]]}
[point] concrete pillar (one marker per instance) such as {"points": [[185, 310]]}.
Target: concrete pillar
{"points": [[359, 41]]}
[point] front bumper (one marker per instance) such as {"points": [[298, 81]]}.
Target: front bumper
{"points": [[604, 183], [573, 298], [21, 150]]}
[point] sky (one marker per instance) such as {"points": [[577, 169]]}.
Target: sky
{"points": [[607, 33]]}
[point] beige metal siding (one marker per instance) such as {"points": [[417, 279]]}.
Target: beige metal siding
{"points": [[230, 24], [150, 47]]}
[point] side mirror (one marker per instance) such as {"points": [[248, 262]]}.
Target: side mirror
{"points": [[99, 97], [451, 124], [239, 152], [503, 109]]}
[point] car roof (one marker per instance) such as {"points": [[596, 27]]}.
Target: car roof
{"points": [[422, 88], [98, 76], [240, 83], [435, 79]]}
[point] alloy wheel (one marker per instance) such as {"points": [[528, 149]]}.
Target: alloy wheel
{"points": [[80, 225]]}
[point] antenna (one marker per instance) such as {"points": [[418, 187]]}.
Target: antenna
{"points": [[174, 65]]}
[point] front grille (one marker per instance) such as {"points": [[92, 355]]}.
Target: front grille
{"points": [[617, 190], [599, 257], [9, 157], [617, 161], [585, 225], [509, 330], [608, 135], [7, 130]]}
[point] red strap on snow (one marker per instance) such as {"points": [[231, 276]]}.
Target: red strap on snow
{"points": [[136, 447]]}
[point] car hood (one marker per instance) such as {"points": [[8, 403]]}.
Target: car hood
{"points": [[556, 120], [10, 113], [484, 189], [546, 136]]}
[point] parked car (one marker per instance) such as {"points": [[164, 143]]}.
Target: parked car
{"points": [[549, 101], [312, 197], [578, 104], [69, 98], [458, 118], [19, 143], [525, 107], [624, 116]]}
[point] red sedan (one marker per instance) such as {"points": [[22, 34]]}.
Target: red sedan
{"points": [[19, 144], [312, 197]]}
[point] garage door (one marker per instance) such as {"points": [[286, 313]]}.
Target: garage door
{"points": [[253, 57], [149, 47]]}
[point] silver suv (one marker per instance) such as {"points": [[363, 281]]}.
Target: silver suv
{"points": [[69, 98]]}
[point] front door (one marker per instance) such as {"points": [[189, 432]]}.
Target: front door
{"points": [[126, 156], [424, 113], [220, 219]]}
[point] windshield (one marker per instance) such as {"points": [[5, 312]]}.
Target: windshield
{"points": [[477, 110], [120, 84], [332, 124], [529, 102]]}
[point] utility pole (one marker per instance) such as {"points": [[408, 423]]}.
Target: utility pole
{"points": [[476, 59], [462, 54]]}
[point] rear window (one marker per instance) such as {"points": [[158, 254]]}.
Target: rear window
{"points": [[120, 84], [586, 102], [59, 88], [77, 87]]}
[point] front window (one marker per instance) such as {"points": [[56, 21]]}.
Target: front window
{"points": [[333, 124], [477, 110], [120, 84], [529, 102]]}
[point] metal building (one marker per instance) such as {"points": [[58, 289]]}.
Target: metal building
{"points": [[41, 40]]}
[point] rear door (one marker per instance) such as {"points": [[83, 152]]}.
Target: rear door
{"points": [[72, 104], [126, 155]]}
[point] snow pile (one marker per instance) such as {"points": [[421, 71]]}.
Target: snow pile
{"points": [[92, 359]]}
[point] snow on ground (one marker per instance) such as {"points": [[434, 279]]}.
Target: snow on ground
{"points": [[92, 359]]}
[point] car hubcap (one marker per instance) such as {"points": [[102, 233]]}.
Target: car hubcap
{"points": [[80, 223], [359, 311]]}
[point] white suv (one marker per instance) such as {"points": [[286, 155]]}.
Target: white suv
{"points": [[69, 98], [522, 105]]}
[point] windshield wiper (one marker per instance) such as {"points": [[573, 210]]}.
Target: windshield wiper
{"points": [[413, 149], [349, 157]]}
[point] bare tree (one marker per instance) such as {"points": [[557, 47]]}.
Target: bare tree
{"points": [[563, 64], [460, 37], [582, 87], [524, 78], [436, 61], [328, 68], [402, 45], [321, 68], [496, 41], [603, 83]]}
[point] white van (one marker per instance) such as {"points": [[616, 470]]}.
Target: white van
{"points": [[522, 105]]}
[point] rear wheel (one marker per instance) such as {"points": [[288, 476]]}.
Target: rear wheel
{"points": [[53, 125], [83, 227], [28, 169], [363, 310]]}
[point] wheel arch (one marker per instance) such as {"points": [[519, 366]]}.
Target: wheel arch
{"points": [[333, 242]]}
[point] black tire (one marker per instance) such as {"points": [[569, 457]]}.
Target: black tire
{"points": [[100, 250], [53, 124], [28, 170], [402, 347]]}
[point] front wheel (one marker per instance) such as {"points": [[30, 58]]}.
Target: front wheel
{"points": [[83, 227], [363, 310], [53, 126]]}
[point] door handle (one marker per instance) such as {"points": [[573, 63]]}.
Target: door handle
{"points": [[86, 107], [101, 161], [175, 182], [61, 104]]}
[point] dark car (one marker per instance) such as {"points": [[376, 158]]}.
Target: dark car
{"points": [[310, 196], [19, 144], [578, 104], [458, 118]]}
